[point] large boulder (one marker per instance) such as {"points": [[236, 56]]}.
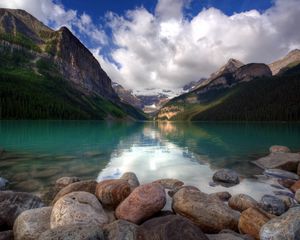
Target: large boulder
{"points": [[226, 177], [122, 229], [74, 232], [31, 223], [251, 221], [279, 149], [242, 202], [223, 196], [14, 203], [209, 213], [284, 161], [142, 203], [286, 226], [279, 173], [112, 192], [77, 208], [65, 181], [3, 183], [172, 227], [272, 204], [170, 183], [82, 186], [132, 179]]}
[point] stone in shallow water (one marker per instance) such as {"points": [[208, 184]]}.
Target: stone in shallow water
{"points": [[223, 196], [278, 173], [112, 192], [286, 226], [74, 232], [31, 223], [278, 148], [85, 186], [78, 208], [132, 179], [172, 227], [170, 183], [209, 213], [251, 221], [142, 203], [285, 161], [272, 204], [226, 176], [14, 203], [65, 181], [3, 183], [242, 202]]}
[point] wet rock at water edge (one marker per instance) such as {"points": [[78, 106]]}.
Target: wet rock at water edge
{"points": [[74, 232], [280, 149], [286, 226], [3, 183], [172, 227], [209, 213], [132, 179], [85, 186], [242, 202], [284, 161], [142, 203], [223, 196], [77, 208], [7, 235], [122, 229], [65, 181], [14, 203], [170, 183], [31, 223], [112, 192], [272, 204], [172, 192], [278, 173], [226, 177], [251, 221]]}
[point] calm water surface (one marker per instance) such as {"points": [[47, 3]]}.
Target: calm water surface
{"points": [[39, 152]]}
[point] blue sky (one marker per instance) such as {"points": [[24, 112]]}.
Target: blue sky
{"points": [[165, 44]]}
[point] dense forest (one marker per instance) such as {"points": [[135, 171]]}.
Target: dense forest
{"points": [[263, 99], [32, 88]]}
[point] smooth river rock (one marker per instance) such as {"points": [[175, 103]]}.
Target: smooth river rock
{"points": [[226, 176], [112, 192], [230, 235], [14, 203], [209, 213], [65, 181], [223, 196], [172, 227], [74, 232], [279, 173], [31, 223], [285, 227], [280, 149], [121, 229], [85, 186], [142, 203], [78, 208], [251, 221], [132, 179], [272, 204], [242, 202], [284, 161], [170, 183]]}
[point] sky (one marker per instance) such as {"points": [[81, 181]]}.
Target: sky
{"points": [[165, 44]]}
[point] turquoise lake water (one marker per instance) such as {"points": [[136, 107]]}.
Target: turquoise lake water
{"points": [[39, 152]]}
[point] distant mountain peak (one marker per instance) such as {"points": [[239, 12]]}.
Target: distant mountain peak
{"points": [[293, 57]]}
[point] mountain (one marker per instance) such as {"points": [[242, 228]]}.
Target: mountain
{"points": [[240, 93], [290, 60], [192, 85], [127, 96], [51, 74]]}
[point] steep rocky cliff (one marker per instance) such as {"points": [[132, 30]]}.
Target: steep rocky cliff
{"points": [[28, 46], [290, 60]]}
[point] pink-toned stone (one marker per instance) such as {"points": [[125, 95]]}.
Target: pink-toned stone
{"points": [[142, 203], [277, 148]]}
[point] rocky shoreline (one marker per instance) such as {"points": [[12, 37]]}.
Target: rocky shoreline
{"points": [[124, 209]]}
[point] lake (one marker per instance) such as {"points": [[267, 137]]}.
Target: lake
{"points": [[39, 152]]}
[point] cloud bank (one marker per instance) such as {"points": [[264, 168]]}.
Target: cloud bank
{"points": [[165, 49]]}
